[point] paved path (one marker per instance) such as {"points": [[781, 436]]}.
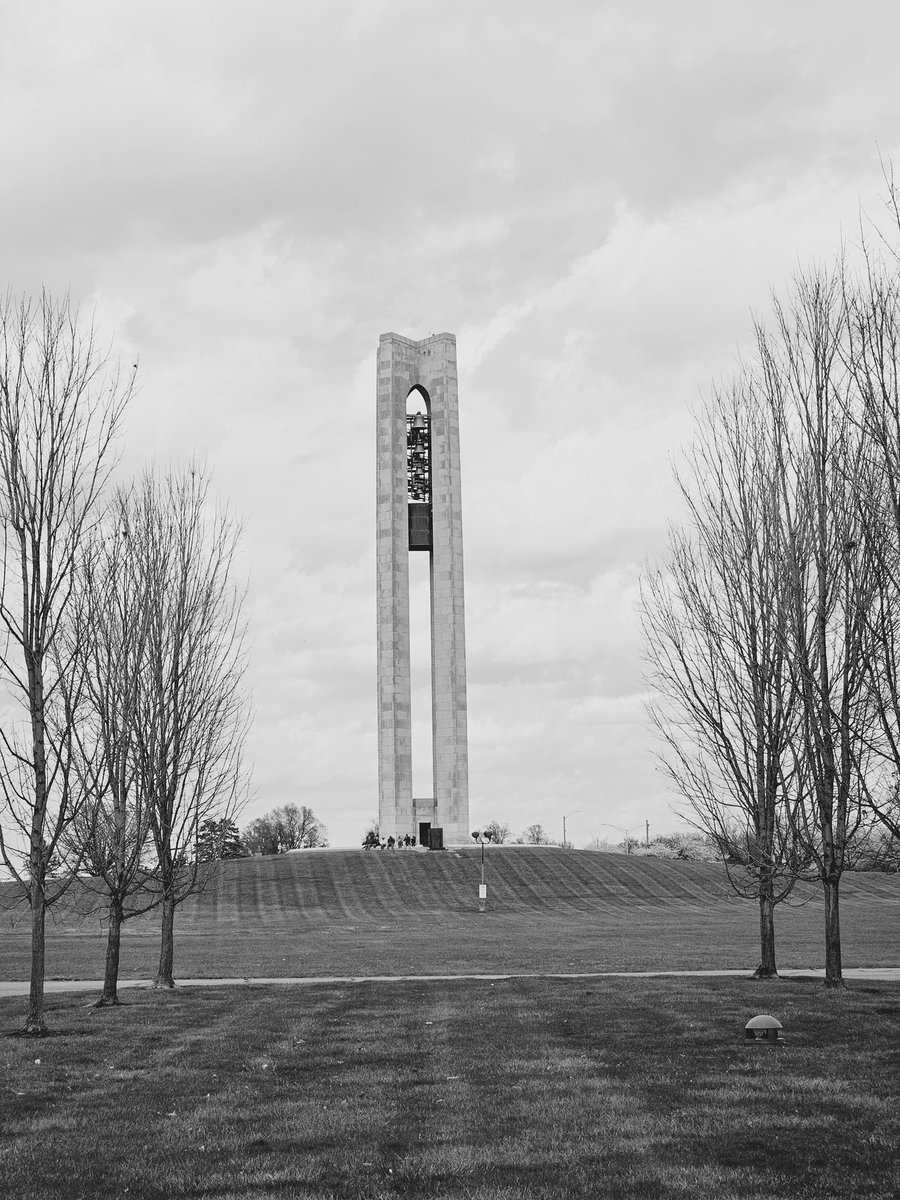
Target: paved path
{"points": [[21, 987]]}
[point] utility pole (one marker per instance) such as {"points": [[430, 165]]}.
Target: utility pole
{"points": [[647, 833]]}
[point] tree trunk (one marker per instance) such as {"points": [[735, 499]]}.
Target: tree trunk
{"points": [[34, 1022], [111, 978], [767, 968], [833, 976], [39, 853], [164, 977]]}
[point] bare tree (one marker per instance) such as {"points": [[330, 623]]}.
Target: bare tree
{"points": [[499, 832], [61, 406], [822, 456], [299, 828], [535, 835], [762, 630], [715, 619], [109, 635], [872, 359], [192, 712]]}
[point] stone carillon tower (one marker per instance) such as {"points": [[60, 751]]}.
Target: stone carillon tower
{"points": [[419, 510]]}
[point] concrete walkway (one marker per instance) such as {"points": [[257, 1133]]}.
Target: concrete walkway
{"points": [[21, 987]]}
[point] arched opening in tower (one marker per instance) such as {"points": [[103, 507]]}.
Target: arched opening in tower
{"points": [[419, 501]]}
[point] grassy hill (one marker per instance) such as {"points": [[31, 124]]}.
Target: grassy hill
{"points": [[363, 885], [355, 912]]}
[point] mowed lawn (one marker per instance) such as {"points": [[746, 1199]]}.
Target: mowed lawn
{"points": [[355, 912], [617, 1088]]}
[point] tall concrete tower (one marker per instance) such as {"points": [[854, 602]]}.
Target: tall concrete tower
{"points": [[419, 510]]}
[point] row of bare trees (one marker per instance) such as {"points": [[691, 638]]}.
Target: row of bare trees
{"points": [[773, 626], [122, 656]]}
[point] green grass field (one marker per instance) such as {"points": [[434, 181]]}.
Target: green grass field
{"points": [[528, 1087], [615, 1089], [381, 913]]}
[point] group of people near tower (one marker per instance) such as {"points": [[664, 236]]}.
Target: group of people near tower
{"points": [[374, 842]]}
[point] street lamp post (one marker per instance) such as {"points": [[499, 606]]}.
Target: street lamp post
{"points": [[481, 837]]}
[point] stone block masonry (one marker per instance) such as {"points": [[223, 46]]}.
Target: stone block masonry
{"points": [[429, 366]]}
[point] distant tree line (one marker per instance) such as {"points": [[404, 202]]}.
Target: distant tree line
{"points": [[283, 829], [689, 846], [773, 624], [287, 828], [499, 832]]}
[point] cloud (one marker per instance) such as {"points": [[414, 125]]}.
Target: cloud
{"points": [[594, 198]]}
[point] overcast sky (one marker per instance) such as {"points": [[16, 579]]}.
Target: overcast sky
{"points": [[594, 197]]}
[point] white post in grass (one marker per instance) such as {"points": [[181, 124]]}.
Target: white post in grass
{"points": [[481, 837]]}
